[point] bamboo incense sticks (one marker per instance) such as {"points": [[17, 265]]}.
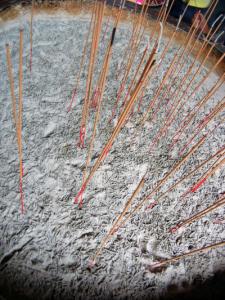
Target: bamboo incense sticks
{"points": [[162, 181], [216, 165]]}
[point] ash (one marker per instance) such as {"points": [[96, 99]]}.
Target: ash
{"points": [[45, 253]]}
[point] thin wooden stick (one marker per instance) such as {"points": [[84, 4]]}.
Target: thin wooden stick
{"points": [[199, 215], [107, 24], [135, 76], [204, 177], [184, 80], [175, 70], [20, 121], [199, 54], [17, 117], [131, 45], [12, 89], [131, 62], [170, 69], [81, 63], [112, 230], [31, 33], [182, 256]]}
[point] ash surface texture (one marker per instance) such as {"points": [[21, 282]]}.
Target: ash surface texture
{"points": [[44, 253]]}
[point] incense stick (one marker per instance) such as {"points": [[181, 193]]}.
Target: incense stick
{"points": [[203, 123], [17, 116], [113, 228], [218, 203], [31, 33], [81, 63], [182, 256]]}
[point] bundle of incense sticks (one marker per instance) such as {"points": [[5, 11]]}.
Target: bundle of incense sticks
{"points": [[100, 88], [17, 113], [186, 89], [122, 119]]}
